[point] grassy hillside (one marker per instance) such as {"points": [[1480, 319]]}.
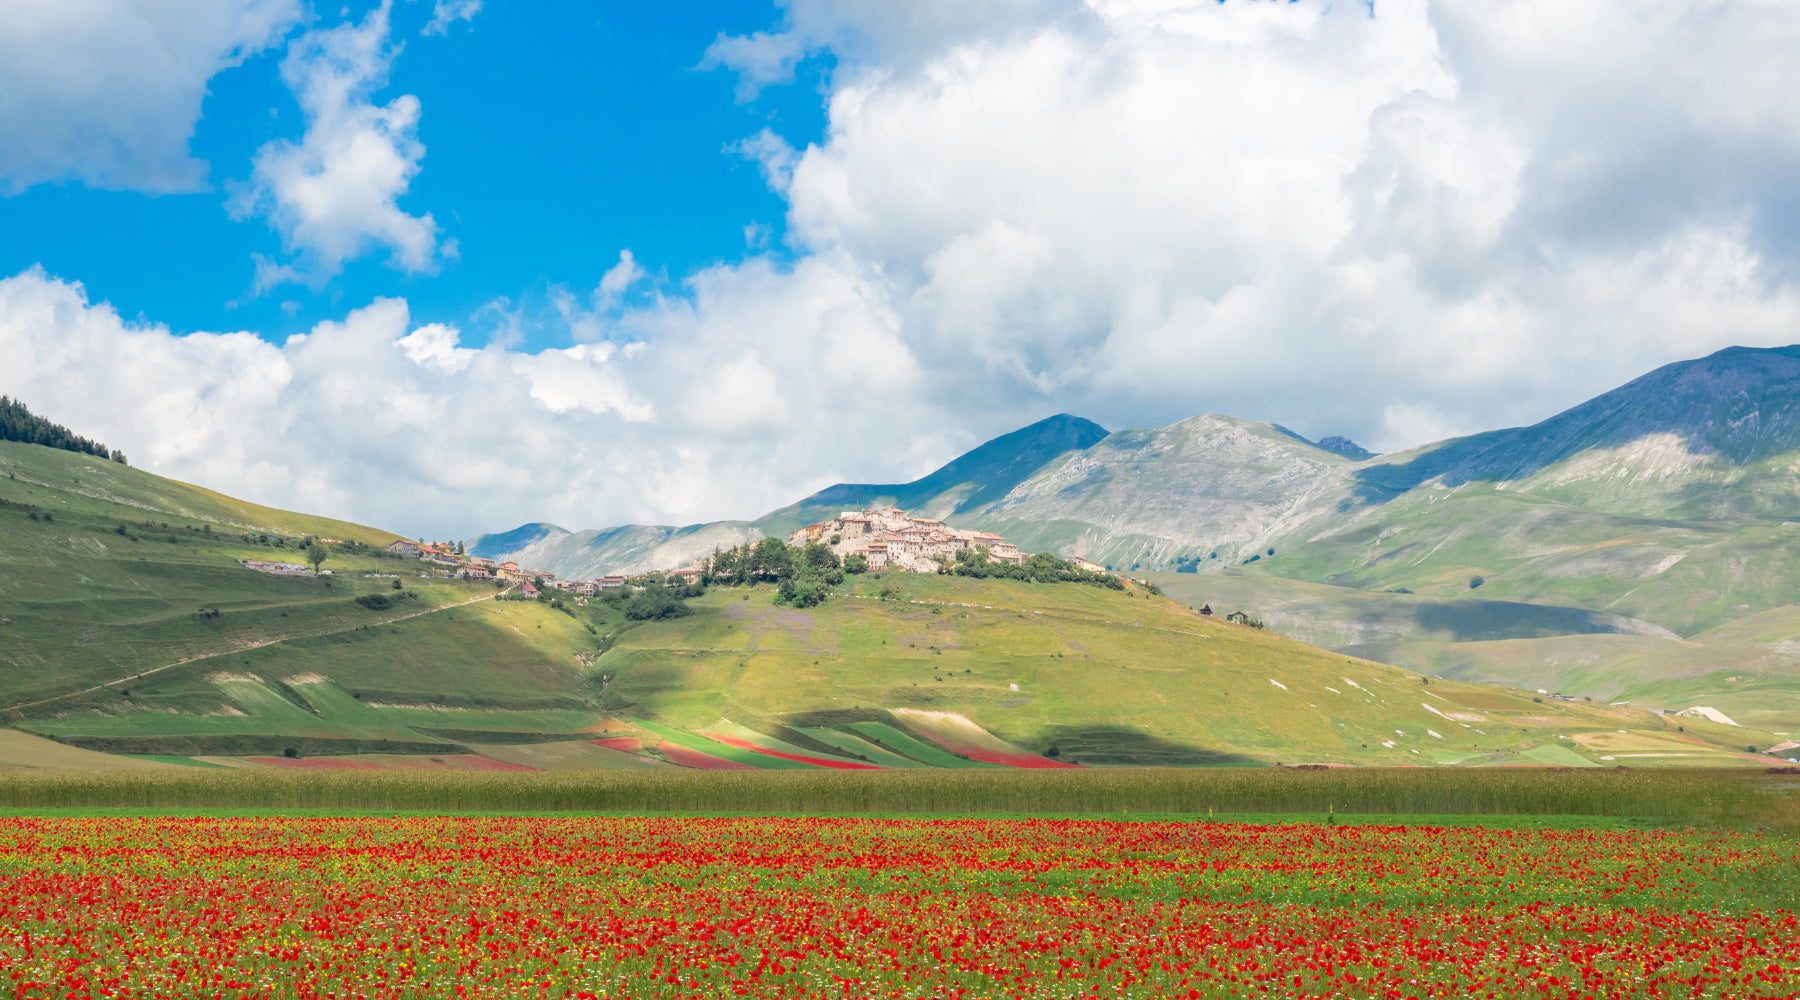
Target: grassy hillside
{"points": [[1094, 676], [127, 623], [1748, 668], [61, 481]]}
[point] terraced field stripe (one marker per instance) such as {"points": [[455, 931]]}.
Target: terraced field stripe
{"points": [[816, 761], [926, 753], [702, 761], [745, 738], [847, 744], [961, 735], [723, 751]]}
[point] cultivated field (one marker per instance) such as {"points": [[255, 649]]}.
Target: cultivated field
{"points": [[856, 908], [1739, 799]]}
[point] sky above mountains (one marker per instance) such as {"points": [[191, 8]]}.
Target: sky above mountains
{"points": [[447, 265]]}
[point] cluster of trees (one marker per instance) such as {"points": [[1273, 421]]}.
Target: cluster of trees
{"points": [[17, 423], [656, 600], [803, 576], [1040, 568], [770, 560], [382, 602]]}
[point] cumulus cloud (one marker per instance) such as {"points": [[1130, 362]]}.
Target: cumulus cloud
{"points": [[334, 195], [107, 92]]}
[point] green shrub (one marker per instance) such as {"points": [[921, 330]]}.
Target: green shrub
{"points": [[656, 603]]}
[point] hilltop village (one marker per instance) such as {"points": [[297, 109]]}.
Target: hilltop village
{"points": [[891, 539], [888, 539]]}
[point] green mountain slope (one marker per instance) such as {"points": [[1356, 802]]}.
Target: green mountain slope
{"points": [[970, 482], [1642, 441]]}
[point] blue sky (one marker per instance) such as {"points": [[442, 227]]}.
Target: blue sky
{"points": [[448, 266], [557, 135]]}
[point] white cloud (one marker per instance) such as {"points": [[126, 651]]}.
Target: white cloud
{"points": [[435, 345], [759, 59], [334, 195], [771, 152], [713, 412], [107, 92], [874, 33], [448, 12], [616, 280]]}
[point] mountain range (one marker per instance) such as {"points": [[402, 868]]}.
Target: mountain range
{"points": [[1696, 441], [1660, 510]]}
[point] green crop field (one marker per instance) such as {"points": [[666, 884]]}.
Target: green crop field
{"points": [[1709, 798]]}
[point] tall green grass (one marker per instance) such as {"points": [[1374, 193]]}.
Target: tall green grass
{"points": [[1700, 797]]}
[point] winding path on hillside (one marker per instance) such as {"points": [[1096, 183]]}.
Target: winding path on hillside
{"points": [[254, 645], [1044, 614]]}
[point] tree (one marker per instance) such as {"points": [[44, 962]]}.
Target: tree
{"points": [[856, 562], [316, 554], [802, 591], [817, 556], [772, 559], [655, 604]]}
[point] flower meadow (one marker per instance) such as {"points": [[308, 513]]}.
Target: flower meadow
{"points": [[429, 906]]}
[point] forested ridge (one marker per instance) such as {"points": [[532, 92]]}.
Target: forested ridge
{"points": [[18, 423]]}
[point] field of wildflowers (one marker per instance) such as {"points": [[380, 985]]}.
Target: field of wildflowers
{"points": [[856, 907]]}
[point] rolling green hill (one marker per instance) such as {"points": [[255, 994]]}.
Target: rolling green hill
{"points": [[1095, 676], [130, 632]]}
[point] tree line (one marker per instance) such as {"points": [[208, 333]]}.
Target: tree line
{"points": [[18, 423]]}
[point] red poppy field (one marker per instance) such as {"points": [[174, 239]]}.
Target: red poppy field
{"points": [[762, 907]]}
